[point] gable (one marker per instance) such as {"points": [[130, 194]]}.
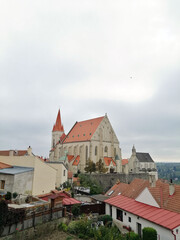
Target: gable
{"points": [[105, 128], [146, 197]]}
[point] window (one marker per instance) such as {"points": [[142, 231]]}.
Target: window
{"points": [[64, 172], [106, 149], [119, 215], [2, 184], [96, 151], [86, 153], [110, 210], [115, 152], [109, 194], [129, 219]]}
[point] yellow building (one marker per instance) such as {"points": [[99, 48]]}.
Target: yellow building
{"points": [[44, 178]]}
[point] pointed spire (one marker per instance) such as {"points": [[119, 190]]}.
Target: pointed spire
{"points": [[58, 125]]}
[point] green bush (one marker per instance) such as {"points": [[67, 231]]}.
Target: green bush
{"points": [[8, 196], [63, 227], [106, 219], [15, 195], [149, 234], [132, 236], [76, 210]]}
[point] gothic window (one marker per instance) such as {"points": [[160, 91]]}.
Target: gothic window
{"points": [[53, 142], [96, 151], [86, 153], [106, 149], [115, 152]]}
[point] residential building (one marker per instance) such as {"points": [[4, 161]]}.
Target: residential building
{"points": [[134, 215], [92, 139], [44, 177], [16, 179]]}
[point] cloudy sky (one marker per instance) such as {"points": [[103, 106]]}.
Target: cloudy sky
{"points": [[88, 58]]}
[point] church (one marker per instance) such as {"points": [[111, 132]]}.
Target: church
{"points": [[92, 139]]}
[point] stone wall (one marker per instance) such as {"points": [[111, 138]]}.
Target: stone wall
{"points": [[108, 180]]}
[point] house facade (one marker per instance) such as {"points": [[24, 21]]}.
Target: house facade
{"points": [[129, 213], [16, 179], [92, 139]]}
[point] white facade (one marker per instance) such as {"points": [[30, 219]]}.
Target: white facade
{"points": [[133, 221]]}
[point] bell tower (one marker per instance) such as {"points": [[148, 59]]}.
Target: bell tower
{"points": [[57, 130]]}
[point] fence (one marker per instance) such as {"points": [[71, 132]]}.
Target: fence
{"points": [[34, 219], [93, 208]]}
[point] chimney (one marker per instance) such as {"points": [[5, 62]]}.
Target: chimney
{"points": [[152, 180], [29, 151], [11, 153], [171, 188]]}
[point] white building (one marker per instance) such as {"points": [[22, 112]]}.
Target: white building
{"points": [[128, 212]]}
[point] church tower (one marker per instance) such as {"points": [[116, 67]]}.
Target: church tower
{"points": [[57, 131]]}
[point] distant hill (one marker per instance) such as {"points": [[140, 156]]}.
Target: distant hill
{"points": [[169, 171]]}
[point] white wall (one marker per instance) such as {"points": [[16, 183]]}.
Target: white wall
{"points": [[164, 234], [146, 197]]}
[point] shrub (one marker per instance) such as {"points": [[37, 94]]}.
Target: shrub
{"points": [[3, 214], [8, 196], [63, 227], [132, 236], [149, 234], [75, 210], [106, 219], [15, 195]]}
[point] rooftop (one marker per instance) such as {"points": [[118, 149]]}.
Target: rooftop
{"points": [[162, 217], [15, 170]]}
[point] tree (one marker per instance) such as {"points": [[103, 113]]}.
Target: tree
{"points": [[90, 167], [100, 167]]}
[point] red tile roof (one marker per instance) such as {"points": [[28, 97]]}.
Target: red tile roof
{"points": [[117, 189], [70, 157], [70, 201], [4, 165], [15, 152], [58, 125], [124, 161], [83, 131], [163, 198], [162, 217], [108, 160], [76, 161], [131, 190]]}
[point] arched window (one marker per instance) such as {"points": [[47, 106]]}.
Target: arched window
{"points": [[86, 153], [115, 152], [96, 149], [106, 149]]}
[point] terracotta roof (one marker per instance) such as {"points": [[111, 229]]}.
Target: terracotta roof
{"points": [[58, 125], [70, 157], [108, 161], [76, 161], [117, 189], [4, 165], [62, 137], [15, 152], [135, 188], [162, 217], [124, 161], [164, 199], [83, 131], [70, 175], [131, 190], [70, 201]]}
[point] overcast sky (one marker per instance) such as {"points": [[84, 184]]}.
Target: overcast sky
{"points": [[88, 58]]}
